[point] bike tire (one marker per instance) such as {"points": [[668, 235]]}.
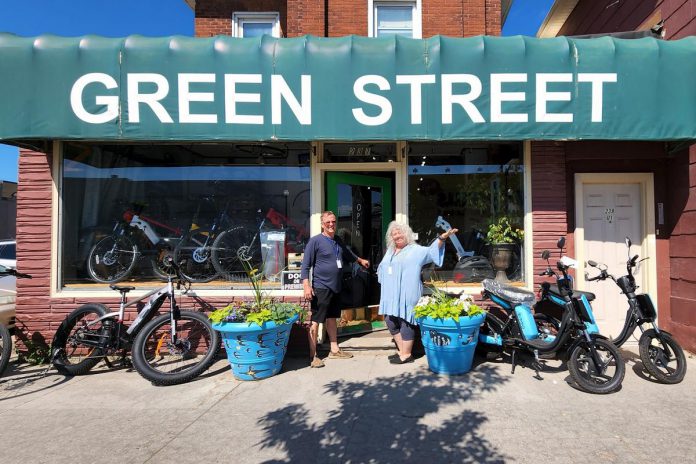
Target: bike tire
{"points": [[582, 370], [112, 259], [657, 361], [166, 369], [194, 259], [226, 251], [5, 348], [69, 355]]}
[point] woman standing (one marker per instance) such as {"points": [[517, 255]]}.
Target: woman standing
{"points": [[399, 274]]}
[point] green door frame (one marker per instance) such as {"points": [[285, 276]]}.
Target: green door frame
{"points": [[333, 178]]}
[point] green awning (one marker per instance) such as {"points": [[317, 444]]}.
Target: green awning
{"points": [[349, 88]]}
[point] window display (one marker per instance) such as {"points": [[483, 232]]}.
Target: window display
{"points": [[126, 208], [477, 188]]}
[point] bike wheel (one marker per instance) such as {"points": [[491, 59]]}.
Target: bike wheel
{"points": [[112, 259], [79, 345], [165, 362], [605, 379], [5, 348], [227, 249], [193, 254], [662, 356]]}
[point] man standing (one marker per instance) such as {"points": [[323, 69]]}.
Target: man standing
{"points": [[324, 254]]}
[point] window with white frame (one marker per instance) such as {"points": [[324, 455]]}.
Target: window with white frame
{"points": [[255, 24], [394, 17]]}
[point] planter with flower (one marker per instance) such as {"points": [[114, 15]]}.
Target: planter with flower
{"points": [[504, 239], [255, 333], [449, 330]]}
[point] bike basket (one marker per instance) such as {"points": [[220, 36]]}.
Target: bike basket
{"points": [[646, 306]]}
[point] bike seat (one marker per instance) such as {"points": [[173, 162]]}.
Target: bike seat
{"points": [[553, 288], [514, 295], [122, 289]]}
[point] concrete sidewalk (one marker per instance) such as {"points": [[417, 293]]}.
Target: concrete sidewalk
{"points": [[359, 410]]}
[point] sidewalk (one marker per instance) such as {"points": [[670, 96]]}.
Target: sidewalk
{"points": [[359, 410]]}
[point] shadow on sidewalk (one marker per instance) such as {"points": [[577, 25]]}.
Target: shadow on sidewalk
{"points": [[413, 417]]}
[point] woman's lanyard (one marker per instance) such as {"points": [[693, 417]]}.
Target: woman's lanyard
{"points": [[337, 251]]}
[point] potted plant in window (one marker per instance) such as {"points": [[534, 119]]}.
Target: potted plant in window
{"points": [[255, 333], [504, 238], [449, 330]]}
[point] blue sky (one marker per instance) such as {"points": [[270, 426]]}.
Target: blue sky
{"points": [[113, 18]]}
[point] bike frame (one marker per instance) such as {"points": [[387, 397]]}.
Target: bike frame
{"points": [[155, 298]]}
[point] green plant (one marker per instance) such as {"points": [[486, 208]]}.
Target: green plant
{"points": [[439, 305], [261, 309], [502, 231]]}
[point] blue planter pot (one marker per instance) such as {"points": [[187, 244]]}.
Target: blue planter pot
{"points": [[449, 344], [255, 352]]}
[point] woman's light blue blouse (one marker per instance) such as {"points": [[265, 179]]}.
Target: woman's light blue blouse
{"points": [[402, 287]]}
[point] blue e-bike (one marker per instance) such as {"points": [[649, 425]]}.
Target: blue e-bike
{"points": [[594, 363]]}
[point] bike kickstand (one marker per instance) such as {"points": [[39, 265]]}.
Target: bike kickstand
{"points": [[514, 353], [537, 364]]}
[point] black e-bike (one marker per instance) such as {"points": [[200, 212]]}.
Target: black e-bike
{"points": [[660, 353], [594, 363]]}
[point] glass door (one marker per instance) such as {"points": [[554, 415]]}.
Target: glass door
{"points": [[364, 206]]}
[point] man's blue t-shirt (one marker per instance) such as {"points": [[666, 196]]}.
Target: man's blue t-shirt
{"points": [[321, 254]]}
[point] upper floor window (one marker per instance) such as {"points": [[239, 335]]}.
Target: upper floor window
{"points": [[395, 17], [255, 24]]}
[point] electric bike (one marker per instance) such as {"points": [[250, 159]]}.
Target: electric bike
{"points": [[660, 353], [594, 363]]}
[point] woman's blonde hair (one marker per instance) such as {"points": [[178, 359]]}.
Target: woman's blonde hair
{"points": [[404, 228]]}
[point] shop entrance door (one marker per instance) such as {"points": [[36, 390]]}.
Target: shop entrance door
{"points": [[364, 206]]}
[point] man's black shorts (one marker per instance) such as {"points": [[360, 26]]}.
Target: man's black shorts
{"points": [[325, 304]]}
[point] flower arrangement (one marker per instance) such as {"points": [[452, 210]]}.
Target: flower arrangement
{"points": [[440, 305], [261, 309]]}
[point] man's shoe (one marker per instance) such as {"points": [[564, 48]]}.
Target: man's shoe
{"points": [[398, 360], [340, 354], [316, 362]]}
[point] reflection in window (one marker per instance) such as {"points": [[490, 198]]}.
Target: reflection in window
{"points": [[127, 208], [469, 187]]}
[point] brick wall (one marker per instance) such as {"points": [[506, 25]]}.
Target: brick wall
{"points": [[549, 201], [214, 17], [456, 18]]}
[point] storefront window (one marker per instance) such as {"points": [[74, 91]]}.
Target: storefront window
{"points": [[468, 187], [127, 208]]}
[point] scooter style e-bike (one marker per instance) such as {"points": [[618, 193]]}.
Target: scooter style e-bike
{"points": [[660, 353], [593, 362]]}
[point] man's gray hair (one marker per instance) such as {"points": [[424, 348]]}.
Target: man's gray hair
{"points": [[404, 228]]}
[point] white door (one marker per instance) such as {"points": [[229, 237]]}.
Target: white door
{"points": [[611, 212]]}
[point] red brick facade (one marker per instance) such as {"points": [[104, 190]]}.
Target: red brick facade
{"points": [[336, 18]]}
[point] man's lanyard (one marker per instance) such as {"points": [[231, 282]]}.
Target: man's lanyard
{"points": [[337, 250]]}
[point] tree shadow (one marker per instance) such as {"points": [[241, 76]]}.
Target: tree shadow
{"points": [[412, 417]]}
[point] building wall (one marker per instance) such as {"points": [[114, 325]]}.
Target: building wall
{"points": [[676, 243], [599, 16], [681, 212], [337, 18]]}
